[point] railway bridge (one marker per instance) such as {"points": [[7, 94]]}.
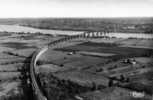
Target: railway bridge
{"points": [[38, 93]]}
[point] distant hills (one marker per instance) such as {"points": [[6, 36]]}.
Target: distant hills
{"points": [[126, 25]]}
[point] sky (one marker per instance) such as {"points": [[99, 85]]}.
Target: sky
{"points": [[75, 8]]}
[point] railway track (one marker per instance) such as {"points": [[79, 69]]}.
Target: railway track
{"points": [[36, 88]]}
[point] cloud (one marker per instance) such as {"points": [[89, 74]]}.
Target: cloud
{"points": [[105, 1], [75, 8]]}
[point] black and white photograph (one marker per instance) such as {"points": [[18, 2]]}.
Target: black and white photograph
{"points": [[76, 49]]}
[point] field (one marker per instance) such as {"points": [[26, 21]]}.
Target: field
{"points": [[109, 48], [118, 67], [94, 64], [141, 25], [15, 55]]}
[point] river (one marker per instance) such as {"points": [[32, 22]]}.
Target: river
{"points": [[17, 28]]}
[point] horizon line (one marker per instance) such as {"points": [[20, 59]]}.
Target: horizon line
{"points": [[76, 17]]}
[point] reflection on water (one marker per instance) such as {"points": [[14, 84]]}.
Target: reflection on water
{"points": [[16, 28], [129, 35]]}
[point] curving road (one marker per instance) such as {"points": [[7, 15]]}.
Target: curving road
{"points": [[36, 88]]}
